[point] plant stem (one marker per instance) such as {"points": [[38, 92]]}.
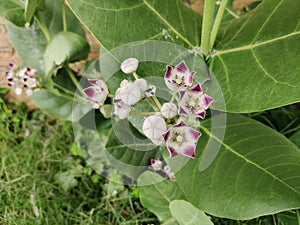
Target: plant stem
{"points": [[142, 113], [72, 95], [43, 27], [208, 17], [157, 103], [135, 75], [217, 23], [64, 16], [74, 80]]}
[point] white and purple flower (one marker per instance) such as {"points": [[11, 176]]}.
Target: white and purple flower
{"points": [[21, 79], [169, 110], [156, 165], [97, 93], [129, 65], [180, 77], [193, 102], [181, 140]]}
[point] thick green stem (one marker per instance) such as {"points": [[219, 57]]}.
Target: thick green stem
{"points": [[64, 16], [74, 80], [217, 22], [208, 17], [142, 113], [43, 27]]}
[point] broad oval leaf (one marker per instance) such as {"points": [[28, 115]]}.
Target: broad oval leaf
{"points": [[157, 196], [256, 172], [65, 47], [185, 213], [60, 106], [257, 58], [13, 10], [128, 150], [115, 22]]}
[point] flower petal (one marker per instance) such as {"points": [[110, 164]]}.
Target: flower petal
{"points": [[168, 73], [166, 135], [90, 92], [191, 78], [180, 124], [194, 134], [182, 67], [201, 115], [197, 88], [172, 151], [189, 151], [182, 111], [207, 101]]}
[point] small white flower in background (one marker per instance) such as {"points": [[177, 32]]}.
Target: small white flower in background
{"points": [[129, 65], [153, 128], [156, 165], [97, 93], [21, 79], [169, 173], [169, 110], [121, 109]]}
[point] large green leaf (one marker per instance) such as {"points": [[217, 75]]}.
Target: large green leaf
{"points": [[156, 194], [257, 58], [13, 10], [65, 47], [60, 106], [117, 22], [256, 172], [128, 150], [185, 213], [30, 43]]}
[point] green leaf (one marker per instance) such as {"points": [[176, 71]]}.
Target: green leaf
{"points": [[13, 10], [31, 6], [66, 108], [128, 150], [138, 20], [256, 60], [295, 138], [185, 213], [30, 43], [65, 47], [156, 193], [256, 172]]}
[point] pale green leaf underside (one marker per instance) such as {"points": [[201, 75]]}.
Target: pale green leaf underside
{"points": [[186, 214], [157, 196], [257, 172], [257, 58]]}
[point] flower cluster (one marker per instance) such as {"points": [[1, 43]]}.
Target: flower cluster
{"points": [[157, 166], [180, 139], [21, 80]]}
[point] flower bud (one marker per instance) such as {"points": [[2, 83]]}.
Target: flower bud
{"points": [[130, 94], [169, 110], [154, 127], [129, 65]]}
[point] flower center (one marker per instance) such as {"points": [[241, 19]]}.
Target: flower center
{"points": [[179, 138], [192, 103]]}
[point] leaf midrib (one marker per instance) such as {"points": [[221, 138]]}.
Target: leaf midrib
{"points": [[247, 160], [252, 46]]}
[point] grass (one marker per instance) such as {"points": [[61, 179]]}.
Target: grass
{"points": [[42, 182], [35, 149]]}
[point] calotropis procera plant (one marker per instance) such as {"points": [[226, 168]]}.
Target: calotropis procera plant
{"points": [[252, 58]]}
